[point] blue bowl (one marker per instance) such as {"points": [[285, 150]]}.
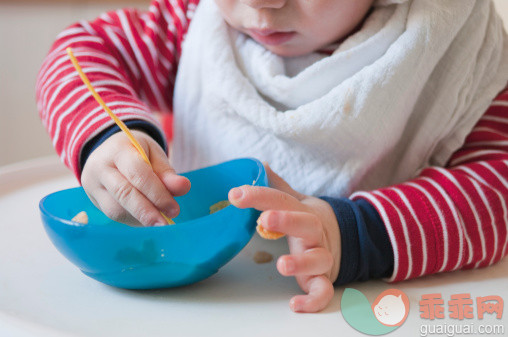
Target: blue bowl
{"points": [[158, 257]]}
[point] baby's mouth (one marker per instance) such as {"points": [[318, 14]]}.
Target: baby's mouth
{"points": [[271, 37]]}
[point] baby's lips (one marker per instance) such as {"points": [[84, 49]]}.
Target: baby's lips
{"points": [[266, 234]]}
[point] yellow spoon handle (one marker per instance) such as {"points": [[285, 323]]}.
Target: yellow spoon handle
{"points": [[118, 122]]}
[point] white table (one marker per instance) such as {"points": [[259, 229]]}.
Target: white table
{"points": [[42, 294]]}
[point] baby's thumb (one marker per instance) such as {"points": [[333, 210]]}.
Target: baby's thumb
{"points": [[275, 181], [177, 185]]}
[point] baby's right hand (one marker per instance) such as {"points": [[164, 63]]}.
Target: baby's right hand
{"points": [[120, 183]]}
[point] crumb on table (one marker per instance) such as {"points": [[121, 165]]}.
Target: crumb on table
{"points": [[262, 257]]}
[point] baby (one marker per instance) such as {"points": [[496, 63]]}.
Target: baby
{"points": [[375, 114]]}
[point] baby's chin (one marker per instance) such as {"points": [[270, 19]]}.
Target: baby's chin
{"points": [[290, 50]]}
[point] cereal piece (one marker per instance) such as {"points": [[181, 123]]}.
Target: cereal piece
{"points": [[265, 234], [262, 257], [81, 217], [218, 206]]}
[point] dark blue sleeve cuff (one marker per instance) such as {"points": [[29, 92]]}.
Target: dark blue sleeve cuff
{"points": [[366, 251], [141, 125]]}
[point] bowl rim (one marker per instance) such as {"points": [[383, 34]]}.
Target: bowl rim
{"points": [[68, 222]]}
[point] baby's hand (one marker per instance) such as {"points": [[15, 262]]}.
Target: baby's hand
{"points": [[124, 186], [312, 232]]}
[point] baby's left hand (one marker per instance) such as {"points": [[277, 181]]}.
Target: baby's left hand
{"points": [[312, 232]]}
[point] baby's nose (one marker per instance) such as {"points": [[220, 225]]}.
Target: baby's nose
{"points": [[259, 4]]}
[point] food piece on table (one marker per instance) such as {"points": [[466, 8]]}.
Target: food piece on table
{"points": [[218, 206], [265, 234], [262, 257], [81, 217]]}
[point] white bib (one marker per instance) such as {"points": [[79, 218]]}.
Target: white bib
{"points": [[395, 97]]}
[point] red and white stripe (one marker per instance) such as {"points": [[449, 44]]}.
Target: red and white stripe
{"points": [[130, 57], [454, 217]]}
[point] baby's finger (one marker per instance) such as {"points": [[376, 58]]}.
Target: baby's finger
{"points": [[302, 225], [141, 176], [263, 198], [176, 184], [319, 295], [103, 200], [315, 261], [131, 199]]}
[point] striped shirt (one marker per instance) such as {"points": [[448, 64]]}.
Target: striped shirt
{"points": [[447, 218]]}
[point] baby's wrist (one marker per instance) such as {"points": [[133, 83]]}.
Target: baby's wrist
{"points": [[331, 233], [141, 125], [366, 252]]}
